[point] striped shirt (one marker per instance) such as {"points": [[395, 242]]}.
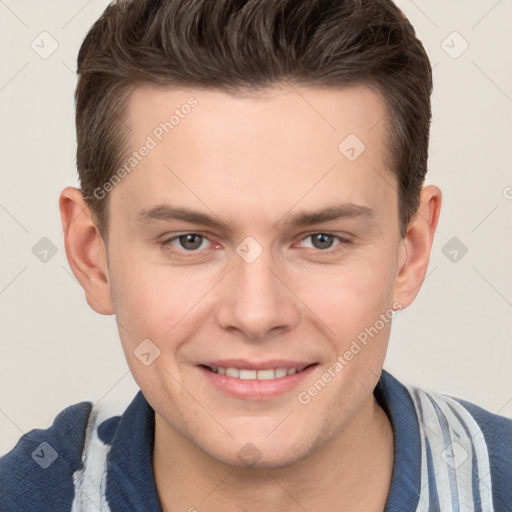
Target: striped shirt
{"points": [[450, 455]]}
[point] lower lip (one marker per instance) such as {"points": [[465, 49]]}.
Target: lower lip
{"points": [[253, 389]]}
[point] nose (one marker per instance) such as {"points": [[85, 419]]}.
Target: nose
{"points": [[256, 299]]}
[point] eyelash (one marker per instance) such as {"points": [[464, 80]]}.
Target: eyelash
{"points": [[164, 244]]}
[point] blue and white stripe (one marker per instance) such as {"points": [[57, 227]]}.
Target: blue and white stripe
{"points": [[455, 470], [90, 481]]}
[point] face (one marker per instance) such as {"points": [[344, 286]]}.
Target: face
{"points": [[255, 249]]}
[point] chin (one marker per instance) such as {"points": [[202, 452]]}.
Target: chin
{"points": [[259, 452], [257, 459]]}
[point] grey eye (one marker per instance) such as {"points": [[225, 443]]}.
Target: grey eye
{"points": [[322, 241], [190, 241]]}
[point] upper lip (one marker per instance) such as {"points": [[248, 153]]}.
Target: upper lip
{"points": [[244, 364]]}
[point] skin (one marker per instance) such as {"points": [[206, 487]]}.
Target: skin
{"points": [[255, 162]]}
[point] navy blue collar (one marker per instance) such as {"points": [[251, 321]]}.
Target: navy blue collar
{"points": [[394, 398], [130, 479]]}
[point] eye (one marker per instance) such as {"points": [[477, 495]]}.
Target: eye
{"points": [[188, 241], [324, 241]]}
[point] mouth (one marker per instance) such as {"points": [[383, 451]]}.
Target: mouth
{"points": [[256, 381], [256, 374]]}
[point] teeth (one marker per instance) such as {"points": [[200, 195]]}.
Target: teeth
{"points": [[266, 374], [269, 374], [247, 374], [232, 372]]}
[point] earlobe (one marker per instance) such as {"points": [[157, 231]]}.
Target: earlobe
{"points": [[85, 250], [416, 246]]}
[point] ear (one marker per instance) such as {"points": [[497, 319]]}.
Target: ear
{"points": [[85, 250], [416, 245]]}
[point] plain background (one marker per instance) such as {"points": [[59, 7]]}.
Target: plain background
{"points": [[455, 338]]}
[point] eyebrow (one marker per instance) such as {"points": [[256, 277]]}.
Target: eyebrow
{"points": [[344, 211], [164, 212]]}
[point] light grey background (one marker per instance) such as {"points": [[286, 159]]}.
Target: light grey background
{"points": [[455, 338]]}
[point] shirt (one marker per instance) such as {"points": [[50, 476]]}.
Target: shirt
{"points": [[450, 455]]}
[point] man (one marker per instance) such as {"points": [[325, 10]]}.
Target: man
{"points": [[253, 211]]}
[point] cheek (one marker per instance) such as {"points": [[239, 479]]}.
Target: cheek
{"points": [[357, 309], [156, 302], [152, 298], [349, 299], [151, 304]]}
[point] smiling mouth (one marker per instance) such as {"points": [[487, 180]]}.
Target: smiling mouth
{"points": [[245, 374]]}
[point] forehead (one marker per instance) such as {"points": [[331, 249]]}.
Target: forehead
{"points": [[269, 150], [329, 111]]}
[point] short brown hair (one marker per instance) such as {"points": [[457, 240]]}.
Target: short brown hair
{"points": [[246, 45]]}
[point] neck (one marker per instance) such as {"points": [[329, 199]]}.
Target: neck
{"points": [[351, 472]]}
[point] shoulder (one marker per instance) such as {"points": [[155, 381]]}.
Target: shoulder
{"points": [[460, 416], [466, 440], [496, 428], [497, 435], [37, 474], [67, 467]]}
